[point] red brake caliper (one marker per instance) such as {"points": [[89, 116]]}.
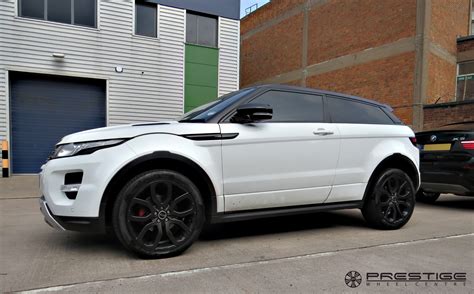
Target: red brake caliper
{"points": [[141, 212]]}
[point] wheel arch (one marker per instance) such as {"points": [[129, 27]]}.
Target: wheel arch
{"points": [[158, 160], [396, 160]]}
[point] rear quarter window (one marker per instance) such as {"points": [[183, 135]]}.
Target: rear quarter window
{"points": [[353, 112]]}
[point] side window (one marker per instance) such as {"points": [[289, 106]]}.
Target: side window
{"points": [[145, 18], [201, 29], [293, 107], [353, 112]]}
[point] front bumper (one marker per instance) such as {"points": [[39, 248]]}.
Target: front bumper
{"points": [[62, 223], [97, 168], [48, 217]]}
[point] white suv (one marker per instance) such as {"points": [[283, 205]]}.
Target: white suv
{"points": [[265, 151]]}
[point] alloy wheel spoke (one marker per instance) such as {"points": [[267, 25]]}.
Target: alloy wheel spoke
{"points": [[140, 219], [399, 211], [392, 184], [159, 235], [395, 213], [181, 198], [143, 232], [154, 194], [142, 202], [402, 186], [387, 211], [170, 234], [182, 225], [183, 213]]}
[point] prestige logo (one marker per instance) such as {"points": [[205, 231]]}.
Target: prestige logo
{"points": [[375, 279]]}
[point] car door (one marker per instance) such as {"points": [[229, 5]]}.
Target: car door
{"points": [[286, 161], [363, 128]]}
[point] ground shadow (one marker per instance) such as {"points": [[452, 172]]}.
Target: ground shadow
{"points": [[453, 202], [92, 243], [283, 224]]}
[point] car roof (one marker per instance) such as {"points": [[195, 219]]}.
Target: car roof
{"points": [[318, 91]]}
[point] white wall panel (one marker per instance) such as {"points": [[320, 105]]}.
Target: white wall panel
{"points": [[229, 45]]}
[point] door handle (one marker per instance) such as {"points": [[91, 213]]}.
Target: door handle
{"points": [[323, 132]]}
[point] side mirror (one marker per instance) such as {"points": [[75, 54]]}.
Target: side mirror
{"points": [[252, 112]]}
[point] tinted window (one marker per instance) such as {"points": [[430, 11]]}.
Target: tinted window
{"points": [[201, 29], [59, 10], [145, 19], [347, 111], [293, 107], [84, 12], [32, 8], [191, 28]]}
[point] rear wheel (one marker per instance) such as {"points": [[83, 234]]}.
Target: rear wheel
{"points": [[391, 201], [427, 197], [159, 213]]}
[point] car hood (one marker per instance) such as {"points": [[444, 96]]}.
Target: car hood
{"points": [[134, 130]]}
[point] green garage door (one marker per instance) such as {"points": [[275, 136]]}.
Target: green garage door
{"points": [[201, 75]]}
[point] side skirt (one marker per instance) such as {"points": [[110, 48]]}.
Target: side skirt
{"points": [[275, 212]]}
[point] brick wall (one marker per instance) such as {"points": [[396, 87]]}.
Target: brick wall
{"points": [[342, 27], [465, 45], [268, 12], [441, 80], [389, 80], [272, 51], [449, 19], [340, 32], [439, 115]]}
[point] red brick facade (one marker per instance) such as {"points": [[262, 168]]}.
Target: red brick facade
{"points": [[368, 48], [264, 54], [342, 27], [377, 80]]}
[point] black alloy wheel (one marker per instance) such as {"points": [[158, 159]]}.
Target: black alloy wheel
{"points": [[158, 214], [391, 201]]}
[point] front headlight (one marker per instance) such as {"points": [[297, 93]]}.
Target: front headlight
{"points": [[72, 149]]}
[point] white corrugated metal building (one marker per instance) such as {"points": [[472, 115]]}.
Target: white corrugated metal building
{"points": [[68, 65]]}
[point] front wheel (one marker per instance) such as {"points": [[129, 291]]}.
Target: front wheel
{"points": [[158, 213], [427, 197], [391, 201]]}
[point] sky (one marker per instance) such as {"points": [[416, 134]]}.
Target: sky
{"points": [[247, 3]]}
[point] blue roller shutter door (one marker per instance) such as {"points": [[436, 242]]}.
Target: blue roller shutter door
{"points": [[46, 108]]}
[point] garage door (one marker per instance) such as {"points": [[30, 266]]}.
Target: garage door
{"points": [[46, 108]]}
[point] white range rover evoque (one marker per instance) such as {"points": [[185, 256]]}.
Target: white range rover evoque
{"points": [[265, 151]]}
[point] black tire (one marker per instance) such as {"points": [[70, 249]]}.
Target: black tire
{"points": [[427, 197], [391, 200], [158, 214]]}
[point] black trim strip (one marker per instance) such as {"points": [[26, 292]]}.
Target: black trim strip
{"points": [[275, 212], [209, 137]]}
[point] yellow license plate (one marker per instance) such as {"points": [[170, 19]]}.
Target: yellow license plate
{"points": [[437, 147]]}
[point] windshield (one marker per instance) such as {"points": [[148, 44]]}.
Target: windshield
{"points": [[211, 109]]}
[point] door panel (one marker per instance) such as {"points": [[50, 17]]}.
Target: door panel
{"points": [[278, 164]]}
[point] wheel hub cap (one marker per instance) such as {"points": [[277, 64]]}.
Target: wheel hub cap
{"points": [[162, 215]]}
